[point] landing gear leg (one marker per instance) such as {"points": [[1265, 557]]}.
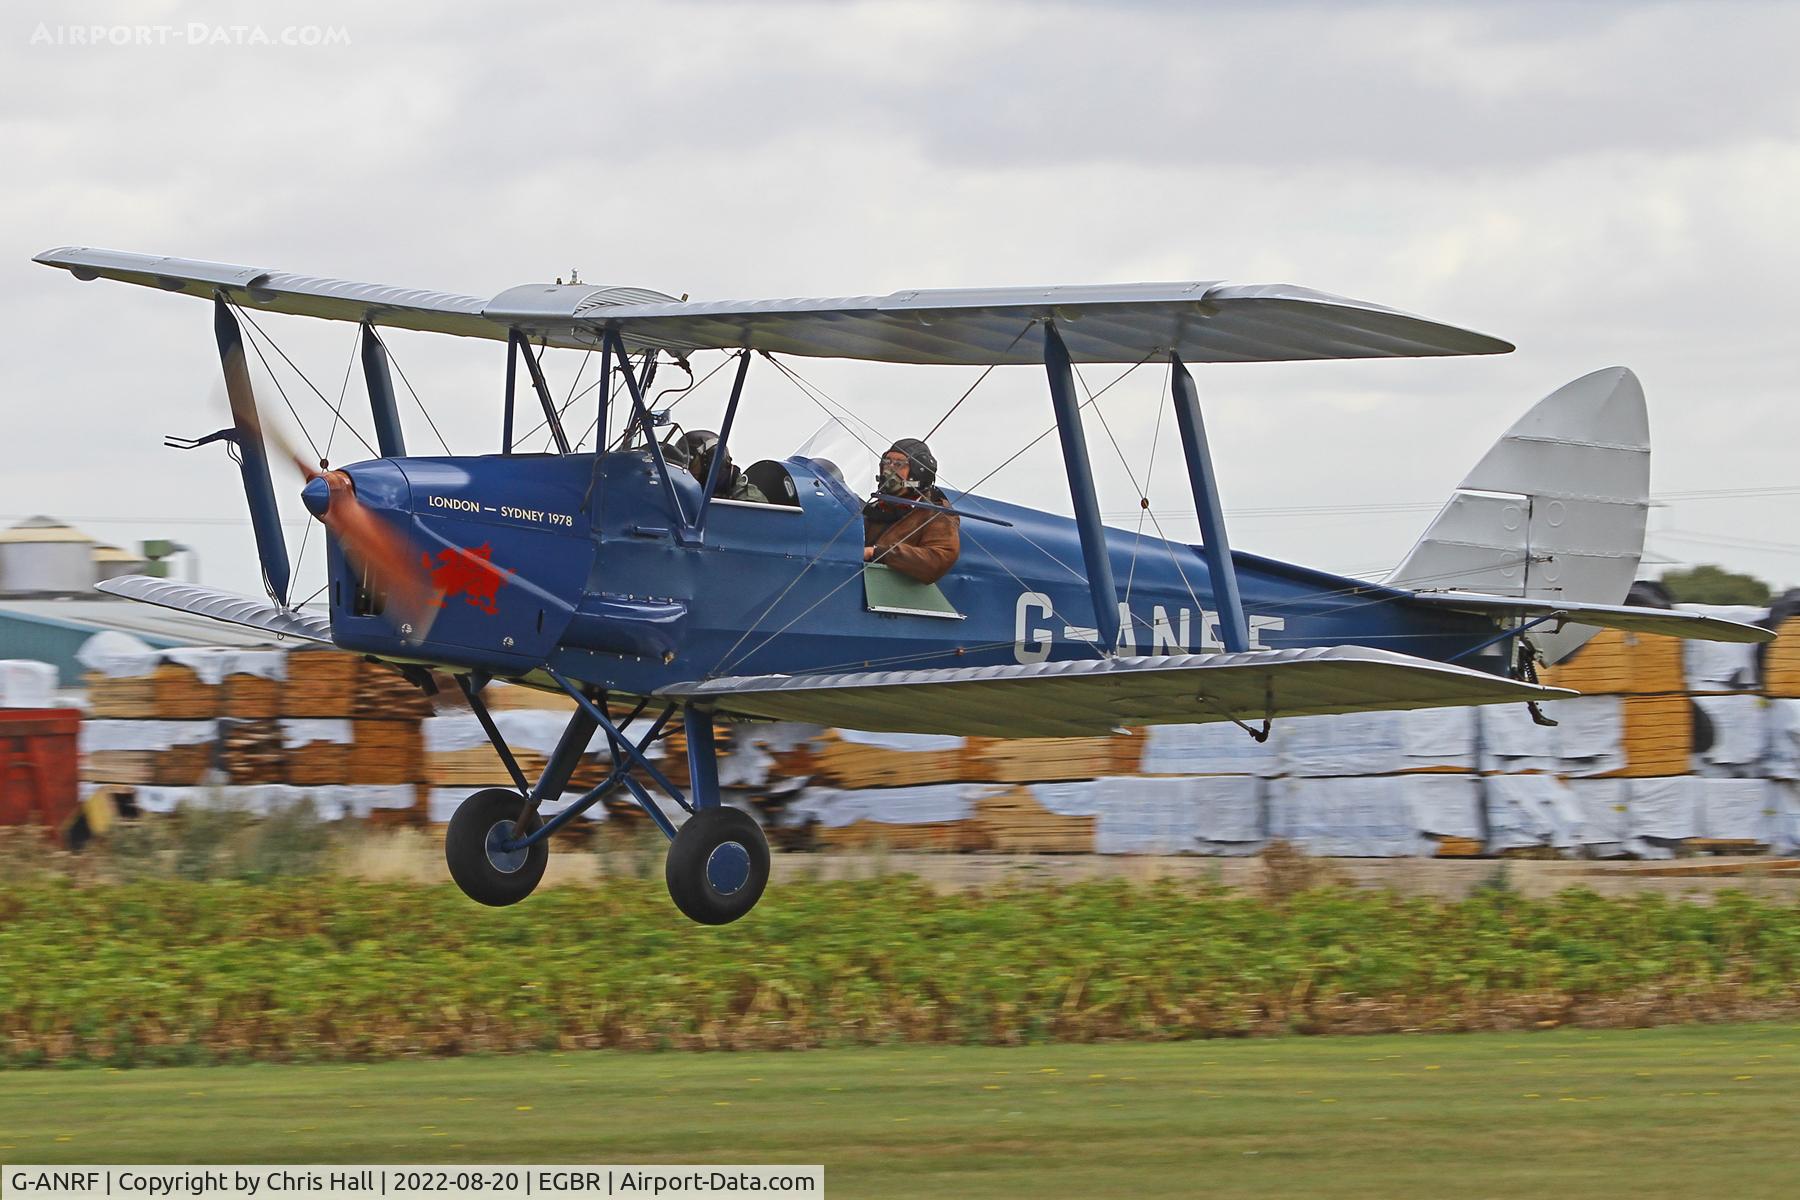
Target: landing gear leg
{"points": [[718, 864], [496, 847]]}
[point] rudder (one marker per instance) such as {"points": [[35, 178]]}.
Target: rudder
{"points": [[1555, 510]]}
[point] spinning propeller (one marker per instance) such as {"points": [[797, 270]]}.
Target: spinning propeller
{"points": [[391, 566]]}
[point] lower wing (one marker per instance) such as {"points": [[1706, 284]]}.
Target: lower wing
{"points": [[1057, 699], [221, 606]]}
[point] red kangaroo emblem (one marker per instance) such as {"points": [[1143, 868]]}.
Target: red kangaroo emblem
{"points": [[469, 572]]}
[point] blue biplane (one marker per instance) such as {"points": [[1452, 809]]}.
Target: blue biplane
{"points": [[618, 578]]}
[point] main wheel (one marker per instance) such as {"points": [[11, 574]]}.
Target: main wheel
{"points": [[473, 850], [718, 866]]}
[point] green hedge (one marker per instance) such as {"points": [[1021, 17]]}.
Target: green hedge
{"points": [[176, 972]]}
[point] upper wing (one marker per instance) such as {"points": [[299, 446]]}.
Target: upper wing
{"points": [[1057, 699], [221, 606], [345, 300], [1669, 622], [1124, 323]]}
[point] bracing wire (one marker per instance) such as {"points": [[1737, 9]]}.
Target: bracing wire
{"points": [[423, 411], [282, 392], [959, 403], [343, 390], [337, 410]]}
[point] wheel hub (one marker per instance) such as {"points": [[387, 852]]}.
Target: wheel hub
{"points": [[728, 868], [503, 859]]}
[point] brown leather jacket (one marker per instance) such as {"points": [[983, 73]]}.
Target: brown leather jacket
{"points": [[919, 543]]}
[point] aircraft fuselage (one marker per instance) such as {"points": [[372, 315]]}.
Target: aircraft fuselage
{"points": [[584, 564]]}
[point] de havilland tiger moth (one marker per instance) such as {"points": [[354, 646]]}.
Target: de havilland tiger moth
{"points": [[662, 588]]}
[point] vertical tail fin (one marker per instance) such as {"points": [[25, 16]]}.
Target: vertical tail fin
{"points": [[1554, 511]]}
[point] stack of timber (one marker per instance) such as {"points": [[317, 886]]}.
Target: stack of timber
{"points": [[383, 751], [120, 696], [169, 692], [1049, 760], [251, 697], [252, 751], [1617, 663], [1658, 736], [1781, 662], [946, 837], [208, 725], [851, 760], [317, 750], [327, 683], [1015, 823], [1640, 678], [148, 752]]}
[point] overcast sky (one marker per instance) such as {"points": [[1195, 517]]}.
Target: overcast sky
{"points": [[1600, 183]]}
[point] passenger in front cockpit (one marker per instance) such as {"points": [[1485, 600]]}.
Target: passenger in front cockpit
{"points": [[701, 445]]}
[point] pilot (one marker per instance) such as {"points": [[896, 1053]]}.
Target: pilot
{"points": [[701, 445], [917, 542]]}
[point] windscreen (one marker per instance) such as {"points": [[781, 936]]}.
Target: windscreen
{"points": [[853, 460]]}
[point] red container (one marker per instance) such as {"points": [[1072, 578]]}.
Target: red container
{"points": [[38, 749]]}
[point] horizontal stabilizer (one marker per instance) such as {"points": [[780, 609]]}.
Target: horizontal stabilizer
{"points": [[221, 606], [1633, 618], [1060, 699]]}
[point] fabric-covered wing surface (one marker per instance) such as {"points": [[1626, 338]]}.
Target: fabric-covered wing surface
{"points": [[220, 606], [1088, 697], [1205, 321]]}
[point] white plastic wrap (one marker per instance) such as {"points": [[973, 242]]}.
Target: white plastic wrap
{"points": [[1531, 810], [1782, 728], [329, 803], [746, 765], [26, 683], [1590, 734], [1345, 744], [144, 735], [1605, 808], [1217, 748], [780, 735], [213, 663], [534, 729], [1443, 805], [1197, 814], [1740, 809], [441, 804], [1721, 666], [1740, 735], [1665, 809], [305, 731], [1365, 817], [1512, 742], [1784, 816], [122, 656], [927, 804], [922, 742], [117, 655]]}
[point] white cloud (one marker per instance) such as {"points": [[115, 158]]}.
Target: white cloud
{"points": [[1599, 183]]}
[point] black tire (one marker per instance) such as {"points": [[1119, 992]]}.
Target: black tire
{"points": [[487, 875], [718, 866]]}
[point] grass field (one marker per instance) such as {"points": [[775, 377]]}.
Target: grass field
{"points": [[1670, 1112]]}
